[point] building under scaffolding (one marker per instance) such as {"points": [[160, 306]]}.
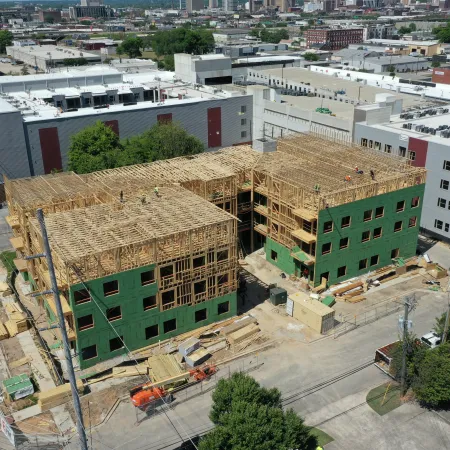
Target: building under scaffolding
{"points": [[159, 264]]}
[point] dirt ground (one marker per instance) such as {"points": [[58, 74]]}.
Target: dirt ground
{"points": [[43, 422]]}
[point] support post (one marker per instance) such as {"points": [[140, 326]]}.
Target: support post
{"points": [[405, 348], [446, 325], [62, 326]]}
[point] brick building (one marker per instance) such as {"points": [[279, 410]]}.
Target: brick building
{"points": [[331, 39]]}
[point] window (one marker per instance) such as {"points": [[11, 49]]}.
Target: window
{"points": [[377, 232], [367, 215], [377, 145], [198, 262], [114, 313], [110, 288], [363, 264], [151, 331], [398, 226], [111, 98], [343, 243], [170, 325], [442, 202], [395, 252], [364, 142], [402, 151], [412, 222], [243, 109], [243, 122], [374, 260], [446, 227], [415, 202], [149, 302], [365, 236], [326, 248], [200, 287], [370, 143], [222, 256], [147, 277], [166, 271], [243, 134], [341, 271], [116, 343], [89, 352], [85, 322], [388, 148], [438, 224], [200, 315], [345, 222], [379, 212], [81, 296], [411, 155], [444, 184], [328, 227], [168, 298], [400, 206], [446, 165], [223, 308], [273, 255]]}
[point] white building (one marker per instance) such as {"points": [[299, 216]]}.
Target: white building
{"points": [[230, 5]]}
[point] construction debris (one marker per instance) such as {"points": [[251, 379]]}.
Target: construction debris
{"points": [[17, 322], [3, 332]]}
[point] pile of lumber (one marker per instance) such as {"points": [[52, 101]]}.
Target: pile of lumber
{"points": [[17, 322], [240, 331], [162, 367], [130, 371], [3, 332], [57, 396]]}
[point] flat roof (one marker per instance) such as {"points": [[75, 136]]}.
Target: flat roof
{"points": [[353, 89], [82, 232], [51, 52], [340, 109], [401, 42], [395, 60]]}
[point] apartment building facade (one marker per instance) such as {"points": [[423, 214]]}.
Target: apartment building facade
{"points": [[333, 39]]}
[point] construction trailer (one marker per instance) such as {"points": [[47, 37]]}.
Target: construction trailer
{"points": [[318, 218], [295, 202]]}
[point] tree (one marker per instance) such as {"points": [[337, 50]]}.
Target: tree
{"points": [[412, 26], [119, 52], [96, 147], [132, 46], [6, 38], [404, 30], [432, 383], [390, 68], [311, 56], [435, 64], [248, 416], [442, 33], [169, 62], [439, 326], [161, 141], [24, 70]]}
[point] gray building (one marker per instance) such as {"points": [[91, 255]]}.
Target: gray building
{"points": [[40, 113], [423, 136], [401, 64], [194, 5]]}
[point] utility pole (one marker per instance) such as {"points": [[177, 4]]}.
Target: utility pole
{"points": [[409, 306], [62, 326], [447, 317]]}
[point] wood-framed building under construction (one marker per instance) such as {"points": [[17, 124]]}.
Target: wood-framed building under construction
{"points": [[134, 264]]}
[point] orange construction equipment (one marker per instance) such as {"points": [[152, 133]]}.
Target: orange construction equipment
{"points": [[145, 394]]}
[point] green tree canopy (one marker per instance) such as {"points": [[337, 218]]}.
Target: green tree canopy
{"points": [[412, 26], [97, 147], [432, 383], [443, 33], [94, 148], [439, 326], [271, 36], [6, 38], [435, 64], [132, 46], [248, 416], [311, 56], [182, 40]]}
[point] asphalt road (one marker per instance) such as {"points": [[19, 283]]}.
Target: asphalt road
{"points": [[299, 370]]}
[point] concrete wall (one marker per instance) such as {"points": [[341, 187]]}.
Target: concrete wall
{"points": [[184, 67], [192, 116]]}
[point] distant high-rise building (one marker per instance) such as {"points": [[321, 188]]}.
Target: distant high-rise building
{"points": [[213, 4], [90, 8], [91, 2], [230, 5], [194, 5]]}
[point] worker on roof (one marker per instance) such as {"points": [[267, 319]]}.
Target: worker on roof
{"points": [[348, 178], [156, 191]]}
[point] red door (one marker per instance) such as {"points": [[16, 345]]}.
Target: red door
{"points": [[214, 127], [114, 125], [164, 118], [50, 150]]}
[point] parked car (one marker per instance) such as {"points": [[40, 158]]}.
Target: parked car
{"points": [[431, 339]]}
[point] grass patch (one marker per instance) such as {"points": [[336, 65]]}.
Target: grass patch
{"points": [[322, 437], [382, 402], [7, 258]]}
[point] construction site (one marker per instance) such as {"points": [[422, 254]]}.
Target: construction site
{"points": [[148, 252]]}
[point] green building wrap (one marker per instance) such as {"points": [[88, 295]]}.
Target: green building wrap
{"points": [[137, 326], [358, 237]]}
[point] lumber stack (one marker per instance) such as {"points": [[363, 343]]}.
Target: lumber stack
{"points": [[57, 396], [3, 332], [17, 322], [242, 334], [162, 367], [235, 326], [130, 371]]}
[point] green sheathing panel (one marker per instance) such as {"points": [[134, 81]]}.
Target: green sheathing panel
{"points": [[405, 240], [134, 319], [283, 259]]}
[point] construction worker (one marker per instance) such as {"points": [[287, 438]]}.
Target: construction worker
{"points": [[156, 191], [372, 174], [319, 447], [348, 178]]}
